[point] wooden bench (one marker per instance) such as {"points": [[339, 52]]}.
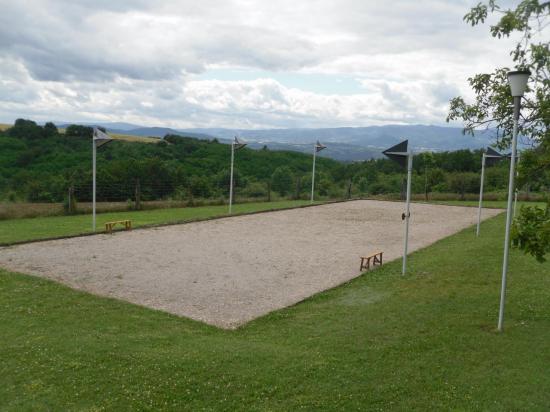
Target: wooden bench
{"points": [[366, 260], [126, 223]]}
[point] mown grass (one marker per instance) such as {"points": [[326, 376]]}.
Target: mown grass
{"points": [[19, 230], [497, 204], [426, 341]]}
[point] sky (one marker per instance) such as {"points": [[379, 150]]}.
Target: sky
{"points": [[247, 64]]}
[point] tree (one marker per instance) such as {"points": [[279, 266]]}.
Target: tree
{"points": [[50, 130], [76, 130], [492, 107], [462, 183], [26, 129], [281, 180]]}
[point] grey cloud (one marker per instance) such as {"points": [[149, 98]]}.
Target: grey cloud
{"points": [[132, 60]]}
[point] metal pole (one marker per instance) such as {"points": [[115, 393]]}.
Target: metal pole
{"points": [[516, 192], [231, 178], [313, 173], [93, 182], [407, 213], [480, 193], [517, 102], [515, 204]]}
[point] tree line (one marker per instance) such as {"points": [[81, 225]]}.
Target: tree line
{"points": [[40, 164]]}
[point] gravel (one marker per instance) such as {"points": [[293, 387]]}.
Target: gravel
{"points": [[226, 272]]}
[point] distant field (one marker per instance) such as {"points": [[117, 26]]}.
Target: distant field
{"points": [[134, 139], [116, 136], [18, 230]]}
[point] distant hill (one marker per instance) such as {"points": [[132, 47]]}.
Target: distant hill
{"points": [[344, 143], [422, 138]]}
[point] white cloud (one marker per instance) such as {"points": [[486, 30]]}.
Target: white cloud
{"points": [[134, 60]]}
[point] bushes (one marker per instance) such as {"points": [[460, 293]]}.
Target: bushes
{"points": [[461, 183], [255, 190], [281, 180]]}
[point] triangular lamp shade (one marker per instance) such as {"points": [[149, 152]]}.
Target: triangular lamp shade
{"points": [[238, 144], [398, 153], [492, 156], [319, 146], [101, 138]]}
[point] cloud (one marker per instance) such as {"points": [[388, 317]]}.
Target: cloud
{"points": [[138, 60]]}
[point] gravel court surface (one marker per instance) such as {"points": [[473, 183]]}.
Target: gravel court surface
{"points": [[226, 272]]}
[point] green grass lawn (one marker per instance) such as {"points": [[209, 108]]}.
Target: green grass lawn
{"points": [[19, 230], [426, 341], [497, 204]]}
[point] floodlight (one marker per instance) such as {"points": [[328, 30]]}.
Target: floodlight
{"points": [[317, 147], [400, 154], [238, 144], [518, 82]]}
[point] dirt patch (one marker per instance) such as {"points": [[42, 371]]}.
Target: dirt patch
{"points": [[227, 272]]}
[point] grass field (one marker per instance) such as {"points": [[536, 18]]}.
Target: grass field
{"points": [[380, 342], [135, 139], [19, 230], [497, 204]]}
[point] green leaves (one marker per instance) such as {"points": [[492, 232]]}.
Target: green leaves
{"points": [[492, 107], [531, 231]]}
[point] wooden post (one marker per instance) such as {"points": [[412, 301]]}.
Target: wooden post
{"points": [[298, 187], [137, 205], [71, 200], [349, 189], [426, 183], [269, 190]]}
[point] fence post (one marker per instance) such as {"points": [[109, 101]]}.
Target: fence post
{"points": [[137, 205], [269, 190], [71, 200], [298, 188], [426, 183], [349, 189]]}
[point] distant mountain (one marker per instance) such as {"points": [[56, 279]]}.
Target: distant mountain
{"points": [[344, 143], [163, 131], [424, 138], [118, 126]]}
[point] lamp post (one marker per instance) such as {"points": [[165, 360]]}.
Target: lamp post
{"points": [[489, 157], [98, 140], [518, 84], [235, 145], [517, 189], [317, 147], [400, 154]]}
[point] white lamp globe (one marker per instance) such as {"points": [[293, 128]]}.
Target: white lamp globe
{"points": [[518, 82]]}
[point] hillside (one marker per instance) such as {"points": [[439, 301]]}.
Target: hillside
{"points": [[344, 143], [40, 164]]}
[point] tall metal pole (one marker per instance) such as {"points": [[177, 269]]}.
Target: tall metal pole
{"points": [[313, 172], [231, 178], [480, 193], [517, 103], [407, 213], [94, 149], [516, 191]]}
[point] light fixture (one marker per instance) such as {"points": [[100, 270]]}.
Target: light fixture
{"points": [[518, 82]]}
